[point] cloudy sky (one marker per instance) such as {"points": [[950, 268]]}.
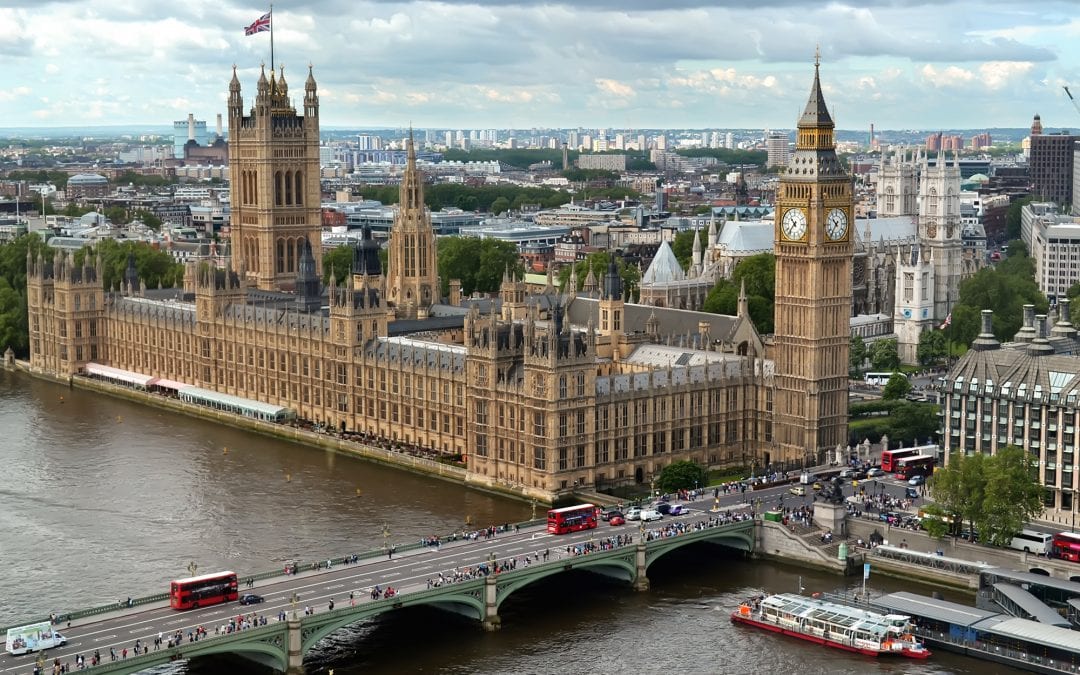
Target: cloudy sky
{"points": [[901, 64]]}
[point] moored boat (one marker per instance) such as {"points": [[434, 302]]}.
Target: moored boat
{"points": [[849, 628]]}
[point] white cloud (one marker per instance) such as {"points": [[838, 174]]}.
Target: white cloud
{"points": [[615, 88], [544, 62]]}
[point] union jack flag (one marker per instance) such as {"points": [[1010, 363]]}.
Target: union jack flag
{"points": [[947, 321], [260, 25]]}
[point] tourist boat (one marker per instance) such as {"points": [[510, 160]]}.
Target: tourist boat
{"points": [[849, 628]]}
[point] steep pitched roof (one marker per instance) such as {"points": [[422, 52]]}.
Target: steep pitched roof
{"points": [[664, 267]]}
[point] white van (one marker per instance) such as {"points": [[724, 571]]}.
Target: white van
{"points": [[33, 638], [650, 514]]}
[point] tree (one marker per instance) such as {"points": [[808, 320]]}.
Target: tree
{"points": [[932, 347], [479, 263], [337, 261], [1012, 497], [684, 475], [722, 299], [758, 272], [683, 248], [500, 205], [884, 355], [995, 494], [1005, 289], [856, 354], [896, 388], [147, 218], [1013, 217], [116, 214]]}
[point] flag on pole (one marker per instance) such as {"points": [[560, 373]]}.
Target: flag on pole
{"points": [[260, 25], [947, 321]]}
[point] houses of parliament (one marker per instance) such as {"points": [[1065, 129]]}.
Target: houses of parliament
{"points": [[540, 393]]}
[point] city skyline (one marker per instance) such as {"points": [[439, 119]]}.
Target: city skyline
{"points": [[638, 64]]}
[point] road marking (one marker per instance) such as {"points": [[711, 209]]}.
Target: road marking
{"points": [[392, 574], [333, 586]]}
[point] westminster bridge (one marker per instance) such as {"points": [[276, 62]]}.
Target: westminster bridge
{"points": [[471, 576]]}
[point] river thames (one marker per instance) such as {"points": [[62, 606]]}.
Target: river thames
{"points": [[102, 499]]}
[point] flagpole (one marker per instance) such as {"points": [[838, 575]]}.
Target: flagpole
{"points": [[272, 64]]}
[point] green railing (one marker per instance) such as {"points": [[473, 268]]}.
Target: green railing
{"points": [[63, 618]]}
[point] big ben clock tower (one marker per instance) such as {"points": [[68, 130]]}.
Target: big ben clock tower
{"points": [[813, 247]]}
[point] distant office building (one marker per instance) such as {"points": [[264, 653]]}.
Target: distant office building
{"points": [[1076, 180], [602, 162], [86, 186], [777, 143], [1051, 166], [729, 140]]}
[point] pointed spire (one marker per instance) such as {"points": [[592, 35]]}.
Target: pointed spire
{"points": [[309, 84], [283, 88], [234, 83], [744, 305], [816, 114]]}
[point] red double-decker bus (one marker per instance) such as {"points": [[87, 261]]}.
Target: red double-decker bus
{"points": [[203, 590], [1066, 545], [889, 458], [919, 465], [572, 518]]}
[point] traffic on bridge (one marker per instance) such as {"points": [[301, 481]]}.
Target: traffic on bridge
{"points": [[325, 596]]}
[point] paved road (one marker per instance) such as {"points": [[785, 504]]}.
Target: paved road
{"points": [[407, 571]]}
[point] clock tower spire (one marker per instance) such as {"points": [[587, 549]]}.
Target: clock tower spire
{"points": [[813, 247]]}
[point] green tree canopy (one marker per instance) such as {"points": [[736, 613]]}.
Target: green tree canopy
{"points": [[683, 248], [759, 274], [896, 388], [156, 268], [932, 347], [500, 205], [856, 354], [995, 494], [884, 355], [479, 263], [1005, 289], [337, 261], [1013, 217], [684, 475]]}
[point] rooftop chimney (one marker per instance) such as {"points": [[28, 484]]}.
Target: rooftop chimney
{"points": [[191, 126], [1027, 332], [1039, 345], [1064, 327], [986, 340], [220, 132]]}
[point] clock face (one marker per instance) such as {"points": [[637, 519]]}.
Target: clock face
{"points": [[794, 224], [836, 224]]}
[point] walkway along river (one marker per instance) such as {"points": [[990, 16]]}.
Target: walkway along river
{"points": [[104, 499]]}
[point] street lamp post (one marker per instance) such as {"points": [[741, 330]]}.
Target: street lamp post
{"points": [[192, 568], [386, 538], [295, 600], [533, 504]]}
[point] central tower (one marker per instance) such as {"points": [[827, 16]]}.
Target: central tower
{"points": [[274, 178], [413, 276], [813, 247]]}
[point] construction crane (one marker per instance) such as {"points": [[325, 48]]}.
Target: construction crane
{"points": [[1069, 94]]}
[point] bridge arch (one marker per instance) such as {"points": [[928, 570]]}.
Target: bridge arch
{"points": [[1040, 570], [264, 652], [742, 540], [621, 568], [463, 598]]}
